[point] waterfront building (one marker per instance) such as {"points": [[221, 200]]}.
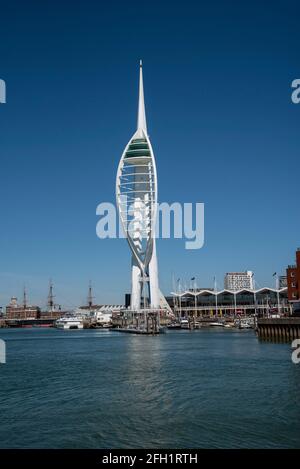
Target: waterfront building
{"points": [[104, 314], [263, 302], [136, 197], [237, 280], [16, 311], [55, 314], [293, 279]]}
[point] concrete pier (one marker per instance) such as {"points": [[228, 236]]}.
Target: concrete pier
{"points": [[279, 330]]}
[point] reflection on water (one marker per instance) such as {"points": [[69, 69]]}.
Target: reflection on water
{"points": [[100, 389]]}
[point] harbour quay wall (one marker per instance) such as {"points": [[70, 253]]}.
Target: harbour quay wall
{"points": [[279, 329]]}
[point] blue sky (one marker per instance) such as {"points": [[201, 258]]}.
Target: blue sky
{"points": [[217, 79]]}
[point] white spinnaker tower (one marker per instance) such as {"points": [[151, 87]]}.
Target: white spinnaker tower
{"points": [[136, 194]]}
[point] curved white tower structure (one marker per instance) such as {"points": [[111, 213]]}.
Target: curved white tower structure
{"points": [[136, 193]]}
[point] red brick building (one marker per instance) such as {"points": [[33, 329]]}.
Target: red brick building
{"points": [[293, 279], [15, 311]]}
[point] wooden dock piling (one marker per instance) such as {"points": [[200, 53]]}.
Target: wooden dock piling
{"points": [[279, 329]]}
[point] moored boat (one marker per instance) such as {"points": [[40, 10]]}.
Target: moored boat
{"points": [[184, 324], [174, 325], [69, 323]]}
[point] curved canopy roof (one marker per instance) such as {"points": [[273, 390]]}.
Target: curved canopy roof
{"points": [[237, 292]]}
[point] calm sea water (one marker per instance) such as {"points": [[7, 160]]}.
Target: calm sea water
{"points": [[101, 389]]}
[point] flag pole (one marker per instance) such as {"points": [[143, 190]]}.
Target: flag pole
{"points": [[278, 299], [216, 294]]}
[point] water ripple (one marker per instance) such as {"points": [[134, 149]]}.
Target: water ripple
{"points": [[94, 389]]}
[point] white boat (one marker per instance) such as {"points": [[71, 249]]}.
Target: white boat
{"points": [[69, 323], [216, 324], [174, 325], [245, 323], [197, 325], [184, 324]]}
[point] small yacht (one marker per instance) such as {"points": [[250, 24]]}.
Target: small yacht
{"points": [[174, 325], [184, 324], [216, 324], [69, 323], [245, 325]]}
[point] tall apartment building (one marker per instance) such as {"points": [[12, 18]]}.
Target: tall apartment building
{"points": [[238, 280], [293, 279]]}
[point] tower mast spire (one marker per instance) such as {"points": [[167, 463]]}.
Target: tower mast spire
{"points": [[141, 123], [139, 159]]}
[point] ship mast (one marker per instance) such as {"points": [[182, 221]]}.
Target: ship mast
{"points": [[24, 298], [90, 296], [50, 297]]}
